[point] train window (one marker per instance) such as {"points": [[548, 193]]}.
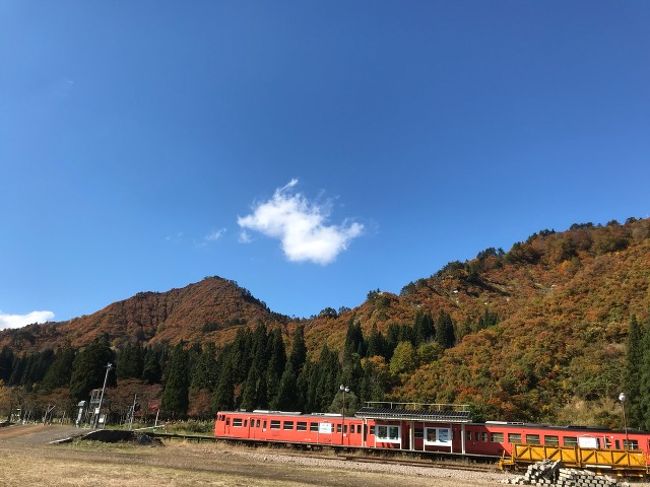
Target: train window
{"points": [[532, 439], [570, 441], [551, 440], [372, 430], [301, 426], [275, 425], [496, 437], [607, 442], [388, 433], [257, 423], [288, 425], [484, 437], [514, 438], [345, 428], [419, 433], [245, 423], [236, 422], [630, 444], [468, 434], [338, 428], [432, 435], [227, 422], [313, 426], [264, 424]]}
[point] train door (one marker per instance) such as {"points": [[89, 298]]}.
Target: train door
{"points": [[325, 432], [253, 432]]}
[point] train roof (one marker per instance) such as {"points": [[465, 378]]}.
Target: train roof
{"points": [[442, 416]]}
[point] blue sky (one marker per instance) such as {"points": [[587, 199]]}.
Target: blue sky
{"points": [[139, 139]]}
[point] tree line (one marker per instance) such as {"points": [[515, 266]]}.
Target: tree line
{"points": [[254, 371]]}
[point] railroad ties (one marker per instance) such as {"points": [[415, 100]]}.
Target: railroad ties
{"points": [[551, 473]]}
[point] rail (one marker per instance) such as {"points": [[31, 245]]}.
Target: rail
{"points": [[342, 456]]}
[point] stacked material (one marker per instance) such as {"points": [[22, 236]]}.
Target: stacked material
{"points": [[551, 473]]}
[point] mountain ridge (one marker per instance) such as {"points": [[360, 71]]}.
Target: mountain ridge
{"points": [[538, 332]]}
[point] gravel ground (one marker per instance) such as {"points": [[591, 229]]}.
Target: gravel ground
{"points": [[460, 477], [28, 460]]}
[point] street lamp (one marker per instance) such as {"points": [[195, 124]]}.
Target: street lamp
{"points": [[343, 389], [621, 397], [109, 366]]}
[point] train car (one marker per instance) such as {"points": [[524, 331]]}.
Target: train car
{"points": [[292, 428], [498, 438], [371, 427], [436, 429]]}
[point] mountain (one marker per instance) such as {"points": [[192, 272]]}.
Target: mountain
{"points": [[210, 310], [563, 302], [535, 333]]}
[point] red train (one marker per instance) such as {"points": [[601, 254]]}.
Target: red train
{"points": [[435, 429]]}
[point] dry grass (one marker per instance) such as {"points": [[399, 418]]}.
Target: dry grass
{"points": [[183, 464]]}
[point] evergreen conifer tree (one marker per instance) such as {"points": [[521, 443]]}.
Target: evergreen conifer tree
{"points": [[206, 373], [633, 372], [422, 328], [298, 350], [241, 354], [130, 361], [17, 370], [376, 343], [89, 367], [445, 335], [224, 394], [327, 379], [643, 403], [277, 361], [58, 375], [152, 368], [354, 341], [286, 398], [175, 396], [6, 362]]}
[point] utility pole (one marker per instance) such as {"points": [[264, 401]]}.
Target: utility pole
{"points": [[621, 397], [109, 366], [343, 389], [135, 397]]}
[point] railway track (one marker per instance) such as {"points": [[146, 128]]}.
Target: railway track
{"points": [[453, 465]]}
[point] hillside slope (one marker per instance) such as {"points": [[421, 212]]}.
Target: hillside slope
{"points": [[210, 310], [563, 302], [539, 331]]}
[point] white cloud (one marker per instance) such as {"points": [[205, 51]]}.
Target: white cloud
{"points": [[215, 235], [245, 237], [301, 226], [17, 321]]}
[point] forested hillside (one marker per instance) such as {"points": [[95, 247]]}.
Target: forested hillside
{"points": [[539, 332]]}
